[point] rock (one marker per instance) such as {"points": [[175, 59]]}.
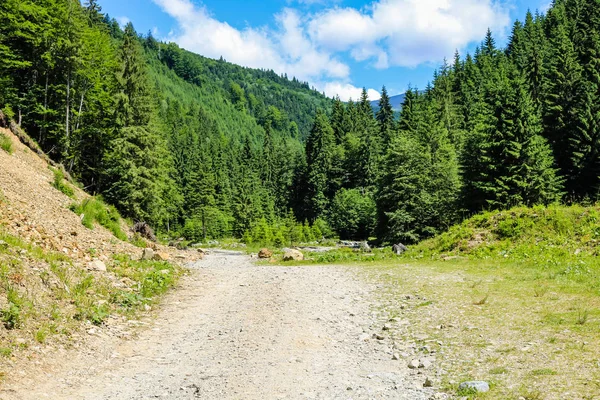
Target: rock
{"points": [[265, 253], [386, 327], [378, 336], [428, 383], [414, 364], [293, 255], [439, 396], [478, 386], [395, 356], [399, 248], [161, 256], [147, 254], [97, 265], [364, 247], [424, 363]]}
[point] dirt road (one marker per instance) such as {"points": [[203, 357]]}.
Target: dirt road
{"points": [[236, 330]]}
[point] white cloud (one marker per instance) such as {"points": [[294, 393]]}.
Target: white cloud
{"points": [[408, 32], [346, 91], [309, 46]]}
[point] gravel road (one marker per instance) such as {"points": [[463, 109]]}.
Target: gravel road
{"points": [[238, 330]]}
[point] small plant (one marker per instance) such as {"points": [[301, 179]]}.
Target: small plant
{"points": [[6, 144], [41, 335], [60, 184], [582, 317], [540, 291], [12, 315]]}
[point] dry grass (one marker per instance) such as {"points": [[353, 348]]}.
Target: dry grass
{"points": [[529, 333]]}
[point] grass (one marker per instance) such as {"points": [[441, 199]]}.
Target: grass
{"points": [[94, 210], [60, 184], [519, 303], [56, 297], [6, 144]]}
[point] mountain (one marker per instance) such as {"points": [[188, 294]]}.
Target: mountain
{"points": [[395, 101]]}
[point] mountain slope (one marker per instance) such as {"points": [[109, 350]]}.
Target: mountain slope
{"points": [[395, 101]]}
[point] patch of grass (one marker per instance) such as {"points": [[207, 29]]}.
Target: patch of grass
{"points": [[498, 371], [482, 301], [543, 371], [60, 183], [94, 210], [14, 314], [6, 144], [36, 252], [5, 352], [582, 317]]}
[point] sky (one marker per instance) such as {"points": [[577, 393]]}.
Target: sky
{"points": [[338, 46]]}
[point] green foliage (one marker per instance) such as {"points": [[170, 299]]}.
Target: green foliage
{"points": [[94, 210], [60, 184], [352, 214], [6, 144]]}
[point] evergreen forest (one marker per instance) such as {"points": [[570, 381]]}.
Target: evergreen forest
{"points": [[203, 148]]}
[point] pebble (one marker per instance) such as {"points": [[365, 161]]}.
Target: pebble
{"points": [[414, 364]]}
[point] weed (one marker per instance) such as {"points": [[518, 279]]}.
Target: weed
{"points": [[60, 184], [41, 335], [540, 291], [13, 315], [6, 144], [582, 317]]}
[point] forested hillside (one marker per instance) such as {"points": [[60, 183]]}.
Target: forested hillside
{"points": [[204, 148], [494, 129], [191, 145]]}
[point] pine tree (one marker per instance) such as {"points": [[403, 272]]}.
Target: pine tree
{"points": [[385, 117], [320, 149]]}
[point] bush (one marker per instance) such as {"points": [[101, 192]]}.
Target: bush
{"points": [[353, 214], [6, 144], [95, 210]]}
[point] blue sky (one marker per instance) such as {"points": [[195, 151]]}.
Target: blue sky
{"points": [[338, 46]]}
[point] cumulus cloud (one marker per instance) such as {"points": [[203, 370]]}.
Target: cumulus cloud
{"points": [[407, 32], [309, 46], [346, 91]]}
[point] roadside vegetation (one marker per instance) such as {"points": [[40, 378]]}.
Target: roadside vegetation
{"points": [[44, 296], [508, 297]]}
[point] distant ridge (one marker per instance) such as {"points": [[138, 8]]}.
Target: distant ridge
{"points": [[396, 102]]}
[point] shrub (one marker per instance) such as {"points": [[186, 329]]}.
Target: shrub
{"points": [[352, 214]]}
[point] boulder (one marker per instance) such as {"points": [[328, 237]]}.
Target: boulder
{"points": [[478, 386], [148, 254], [97, 265], [399, 248], [293, 255], [265, 253], [161, 256]]}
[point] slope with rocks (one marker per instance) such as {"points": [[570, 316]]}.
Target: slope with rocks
{"points": [[59, 279]]}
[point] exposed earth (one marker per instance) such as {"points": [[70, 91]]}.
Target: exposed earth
{"points": [[239, 330]]}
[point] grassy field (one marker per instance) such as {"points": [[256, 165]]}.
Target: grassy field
{"points": [[512, 298]]}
